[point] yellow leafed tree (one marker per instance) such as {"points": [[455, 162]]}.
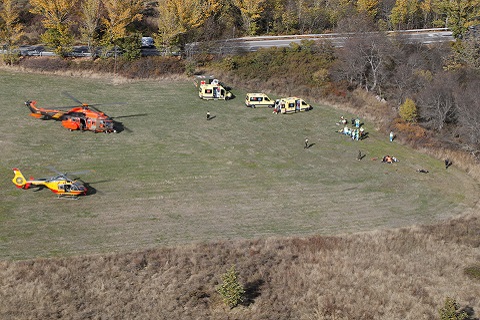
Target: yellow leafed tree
{"points": [[250, 11], [54, 12], [11, 31], [176, 17], [404, 13], [56, 18], [120, 13], [460, 14], [90, 13], [427, 7], [370, 7]]}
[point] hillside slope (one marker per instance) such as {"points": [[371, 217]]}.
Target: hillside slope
{"points": [[392, 274]]}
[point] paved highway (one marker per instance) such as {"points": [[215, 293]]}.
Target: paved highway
{"points": [[250, 44]]}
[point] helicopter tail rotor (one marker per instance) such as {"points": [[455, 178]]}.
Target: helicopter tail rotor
{"points": [[19, 180]]}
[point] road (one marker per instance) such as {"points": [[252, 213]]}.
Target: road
{"points": [[250, 44]]}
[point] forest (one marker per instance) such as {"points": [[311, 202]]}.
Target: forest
{"points": [[61, 23]]}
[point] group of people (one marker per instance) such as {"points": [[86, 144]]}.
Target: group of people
{"points": [[389, 159], [356, 133]]}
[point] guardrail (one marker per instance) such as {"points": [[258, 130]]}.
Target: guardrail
{"points": [[81, 51], [332, 35]]}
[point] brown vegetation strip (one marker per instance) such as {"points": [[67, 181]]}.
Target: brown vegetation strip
{"points": [[396, 274]]}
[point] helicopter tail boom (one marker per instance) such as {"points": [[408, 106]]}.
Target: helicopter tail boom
{"points": [[43, 113], [19, 180]]}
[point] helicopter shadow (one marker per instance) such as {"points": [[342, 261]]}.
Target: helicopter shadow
{"points": [[92, 190], [119, 126]]}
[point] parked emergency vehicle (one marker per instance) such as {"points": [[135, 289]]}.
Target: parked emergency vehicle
{"points": [[211, 88], [291, 105], [254, 100]]}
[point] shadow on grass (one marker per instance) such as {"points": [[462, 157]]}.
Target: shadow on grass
{"points": [[91, 190], [252, 291], [469, 312], [119, 126]]}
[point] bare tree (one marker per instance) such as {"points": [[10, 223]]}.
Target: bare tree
{"points": [[364, 60], [437, 101], [469, 111]]}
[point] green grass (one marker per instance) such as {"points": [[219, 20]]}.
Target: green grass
{"points": [[177, 178]]}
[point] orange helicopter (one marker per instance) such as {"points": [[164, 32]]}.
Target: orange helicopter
{"points": [[83, 117], [60, 184]]}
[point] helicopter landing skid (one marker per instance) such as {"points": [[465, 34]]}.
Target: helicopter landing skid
{"points": [[67, 197]]}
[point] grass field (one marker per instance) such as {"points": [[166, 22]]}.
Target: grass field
{"points": [[176, 178]]}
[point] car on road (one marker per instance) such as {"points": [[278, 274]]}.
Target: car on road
{"points": [[147, 42]]}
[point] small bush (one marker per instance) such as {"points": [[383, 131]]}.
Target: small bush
{"points": [[450, 311], [408, 110], [411, 132], [473, 272], [11, 58], [231, 289], [148, 67], [49, 64]]}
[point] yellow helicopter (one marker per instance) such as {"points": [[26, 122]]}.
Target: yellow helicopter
{"points": [[60, 184]]}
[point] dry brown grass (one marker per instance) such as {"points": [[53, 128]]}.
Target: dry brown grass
{"points": [[392, 274]]}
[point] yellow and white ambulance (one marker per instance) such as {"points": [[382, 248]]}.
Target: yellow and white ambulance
{"points": [[291, 105], [210, 88], [254, 100]]}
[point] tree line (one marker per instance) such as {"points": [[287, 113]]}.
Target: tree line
{"points": [[109, 23], [434, 86]]}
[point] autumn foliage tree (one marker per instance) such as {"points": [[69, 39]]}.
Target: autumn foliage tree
{"points": [[90, 23], [11, 30], [458, 15], [251, 12], [405, 14], [119, 14], [57, 20], [369, 7], [177, 18]]}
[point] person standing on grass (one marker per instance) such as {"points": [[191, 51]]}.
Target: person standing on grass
{"points": [[448, 163], [306, 143], [392, 136]]}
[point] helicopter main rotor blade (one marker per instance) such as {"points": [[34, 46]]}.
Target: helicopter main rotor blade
{"points": [[78, 172], [65, 93], [65, 174], [55, 170], [131, 115]]}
